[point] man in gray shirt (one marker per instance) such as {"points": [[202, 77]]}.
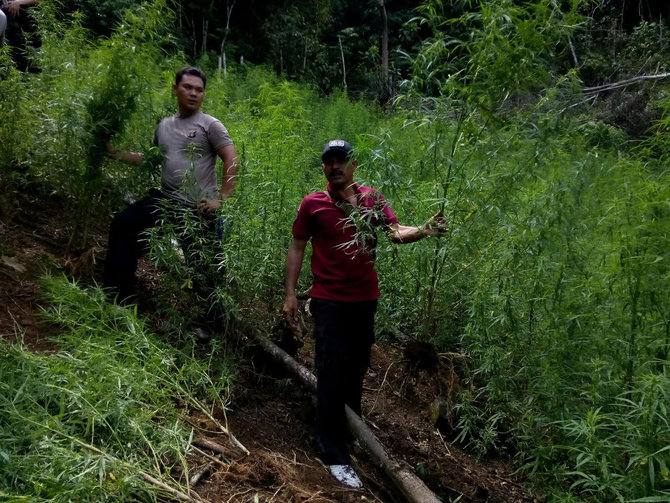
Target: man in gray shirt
{"points": [[3, 26], [191, 140]]}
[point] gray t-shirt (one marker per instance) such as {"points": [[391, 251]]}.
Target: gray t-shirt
{"points": [[191, 144]]}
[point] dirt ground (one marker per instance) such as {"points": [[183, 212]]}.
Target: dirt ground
{"points": [[270, 414]]}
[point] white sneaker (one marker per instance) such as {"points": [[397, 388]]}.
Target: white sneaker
{"points": [[202, 335], [346, 475]]}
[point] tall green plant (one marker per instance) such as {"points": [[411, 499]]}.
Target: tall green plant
{"points": [[195, 289], [15, 115], [87, 91], [493, 50], [87, 422]]}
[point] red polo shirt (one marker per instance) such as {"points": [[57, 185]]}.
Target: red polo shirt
{"points": [[342, 268]]}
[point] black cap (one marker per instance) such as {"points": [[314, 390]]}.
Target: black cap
{"points": [[337, 146]]}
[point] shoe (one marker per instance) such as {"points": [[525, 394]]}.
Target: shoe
{"points": [[202, 335], [346, 475]]}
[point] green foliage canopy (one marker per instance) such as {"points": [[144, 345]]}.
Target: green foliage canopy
{"points": [[553, 285]]}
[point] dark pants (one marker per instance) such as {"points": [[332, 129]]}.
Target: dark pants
{"points": [[344, 334], [128, 240], [21, 35]]}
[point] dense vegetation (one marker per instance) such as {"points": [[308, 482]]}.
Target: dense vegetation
{"points": [[98, 421], [553, 284]]}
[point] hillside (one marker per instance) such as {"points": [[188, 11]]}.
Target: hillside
{"points": [[269, 414]]}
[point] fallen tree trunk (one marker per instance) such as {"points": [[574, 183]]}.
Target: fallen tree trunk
{"points": [[409, 484], [624, 83]]}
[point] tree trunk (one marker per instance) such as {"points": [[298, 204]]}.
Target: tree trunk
{"points": [[344, 68], [195, 40], [384, 77], [409, 484], [205, 27], [222, 57]]}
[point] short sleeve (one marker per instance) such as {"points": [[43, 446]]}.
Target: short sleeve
{"points": [[391, 219], [374, 199], [218, 135], [301, 224], [154, 140]]}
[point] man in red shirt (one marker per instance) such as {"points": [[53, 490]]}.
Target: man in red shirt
{"points": [[341, 223]]}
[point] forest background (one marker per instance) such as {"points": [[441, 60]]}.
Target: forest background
{"points": [[539, 128]]}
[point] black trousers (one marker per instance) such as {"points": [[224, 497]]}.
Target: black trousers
{"points": [[128, 240], [22, 37], [344, 334]]}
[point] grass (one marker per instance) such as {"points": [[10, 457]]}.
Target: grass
{"points": [[94, 420]]}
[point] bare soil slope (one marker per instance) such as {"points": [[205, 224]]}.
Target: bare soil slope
{"points": [[271, 415]]}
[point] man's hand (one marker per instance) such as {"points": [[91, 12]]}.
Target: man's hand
{"points": [[109, 148], [129, 157], [436, 225], [13, 8], [290, 311], [296, 252], [209, 205]]}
